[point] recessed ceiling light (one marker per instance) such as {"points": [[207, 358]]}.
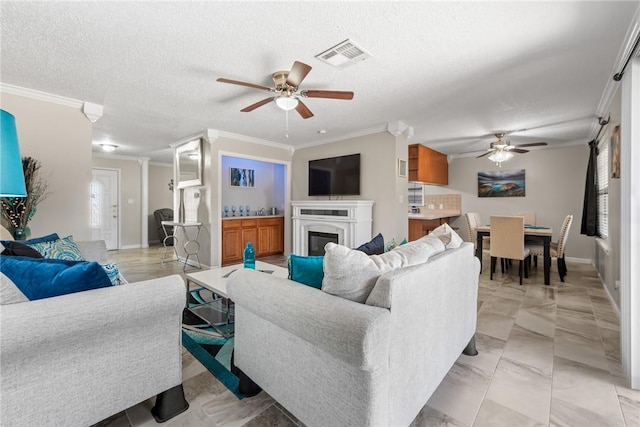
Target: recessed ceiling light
{"points": [[322, 131]]}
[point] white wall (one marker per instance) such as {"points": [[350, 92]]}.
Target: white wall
{"points": [[60, 138], [378, 178], [554, 188]]}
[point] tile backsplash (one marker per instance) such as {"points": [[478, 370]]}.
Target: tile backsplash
{"points": [[448, 201]]}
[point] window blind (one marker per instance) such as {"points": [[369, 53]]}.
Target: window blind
{"points": [[603, 189]]}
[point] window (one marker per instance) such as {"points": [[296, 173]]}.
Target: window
{"points": [[603, 189], [96, 209]]}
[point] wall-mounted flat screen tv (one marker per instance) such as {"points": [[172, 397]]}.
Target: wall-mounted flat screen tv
{"points": [[335, 176]]}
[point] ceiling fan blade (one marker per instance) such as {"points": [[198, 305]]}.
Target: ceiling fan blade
{"points": [[518, 150], [532, 144], [482, 155], [237, 82], [331, 94], [297, 74], [256, 105], [303, 110], [474, 151]]}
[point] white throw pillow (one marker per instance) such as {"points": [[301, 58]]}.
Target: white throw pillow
{"points": [[352, 274], [444, 229]]}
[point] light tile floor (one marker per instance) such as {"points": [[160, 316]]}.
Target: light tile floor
{"points": [[548, 356]]}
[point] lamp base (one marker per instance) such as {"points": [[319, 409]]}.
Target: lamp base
{"points": [[21, 233]]}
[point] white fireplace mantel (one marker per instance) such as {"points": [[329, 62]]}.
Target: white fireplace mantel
{"points": [[350, 220]]}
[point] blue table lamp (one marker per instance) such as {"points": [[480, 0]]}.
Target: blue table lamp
{"points": [[11, 174]]}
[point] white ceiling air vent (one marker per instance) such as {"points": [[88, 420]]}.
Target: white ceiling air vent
{"points": [[344, 54]]}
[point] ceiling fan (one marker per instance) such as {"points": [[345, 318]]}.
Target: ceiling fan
{"points": [[286, 93], [501, 150], [504, 145]]}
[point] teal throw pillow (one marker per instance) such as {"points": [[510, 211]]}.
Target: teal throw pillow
{"points": [[404, 241], [306, 269], [64, 248], [39, 278], [113, 273], [22, 248]]}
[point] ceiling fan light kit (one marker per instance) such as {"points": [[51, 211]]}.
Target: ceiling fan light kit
{"points": [[500, 156], [286, 103], [286, 93]]}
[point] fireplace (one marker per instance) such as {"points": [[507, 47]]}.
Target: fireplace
{"points": [[318, 240], [346, 222]]}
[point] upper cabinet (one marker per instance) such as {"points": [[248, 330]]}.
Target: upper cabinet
{"points": [[427, 165]]}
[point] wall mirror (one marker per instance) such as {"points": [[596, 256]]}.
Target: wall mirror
{"points": [[189, 163]]}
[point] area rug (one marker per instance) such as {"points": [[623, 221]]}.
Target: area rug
{"points": [[207, 346]]}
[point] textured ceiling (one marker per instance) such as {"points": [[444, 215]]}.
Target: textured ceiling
{"points": [[454, 71]]}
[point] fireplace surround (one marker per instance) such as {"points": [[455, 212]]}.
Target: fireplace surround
{"points": [[350, 220]]}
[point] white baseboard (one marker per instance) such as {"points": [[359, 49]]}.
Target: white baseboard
{"points": [[138, 246], [579, 260], [193, 263]]}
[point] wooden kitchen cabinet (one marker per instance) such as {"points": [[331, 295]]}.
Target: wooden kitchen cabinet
{"points": [[421, 227], [270, 236], [265, 234], [427, 165]]}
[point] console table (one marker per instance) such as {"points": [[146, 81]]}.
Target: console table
{"points": [[191, 245]]}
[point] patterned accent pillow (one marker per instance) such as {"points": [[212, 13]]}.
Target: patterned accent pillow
{"points": [[113, 273], [65, 249]]}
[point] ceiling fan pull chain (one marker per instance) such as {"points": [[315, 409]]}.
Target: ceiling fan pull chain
{"points": [[286, 134]]}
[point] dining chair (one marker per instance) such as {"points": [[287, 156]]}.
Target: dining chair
{"points": [[529, 218], [507, 242], [473, 222], [556, 248]]}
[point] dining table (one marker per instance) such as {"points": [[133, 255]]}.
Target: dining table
{"points": [[541, 233]]}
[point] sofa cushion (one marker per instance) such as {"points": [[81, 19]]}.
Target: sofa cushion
{"points": [[44, 278], [64, 249], [306, 270], [351, 274], [454, 239], [9, 292], [373, 247]]}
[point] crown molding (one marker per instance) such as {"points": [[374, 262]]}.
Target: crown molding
{"points": [[612, 85], [357, 134], [254, 140], [40, 96]]}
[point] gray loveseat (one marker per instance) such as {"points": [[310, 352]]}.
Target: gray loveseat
{"points": [[331, 361], [77, 359]]}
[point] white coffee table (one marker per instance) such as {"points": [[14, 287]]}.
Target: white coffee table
{"points": [[219, 313]]}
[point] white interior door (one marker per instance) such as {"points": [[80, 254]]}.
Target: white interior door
{"points": [[105, 206]]}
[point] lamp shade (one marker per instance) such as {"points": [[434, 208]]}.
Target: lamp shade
{"points": [[11, 174]]}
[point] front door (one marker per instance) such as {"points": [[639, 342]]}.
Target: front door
{"points": [[105, 194]]}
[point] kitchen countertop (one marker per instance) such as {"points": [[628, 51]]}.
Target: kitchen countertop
{"points": [[434, 214], [251, 216]]}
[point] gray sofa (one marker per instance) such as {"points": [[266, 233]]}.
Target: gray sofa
{"points": [[331, 361], [77, 359]]}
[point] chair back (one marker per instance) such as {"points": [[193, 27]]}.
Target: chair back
{"points": [[473, 221], [529, 218], [507, 237], [564, 234]]}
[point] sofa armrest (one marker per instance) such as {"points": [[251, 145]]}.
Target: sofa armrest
{"points": [[355, 333], [94, 250], [90, 354]]}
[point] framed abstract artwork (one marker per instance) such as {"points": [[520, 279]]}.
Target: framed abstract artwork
{"points": [[501, 183], [242, 178], [615, 152]]}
